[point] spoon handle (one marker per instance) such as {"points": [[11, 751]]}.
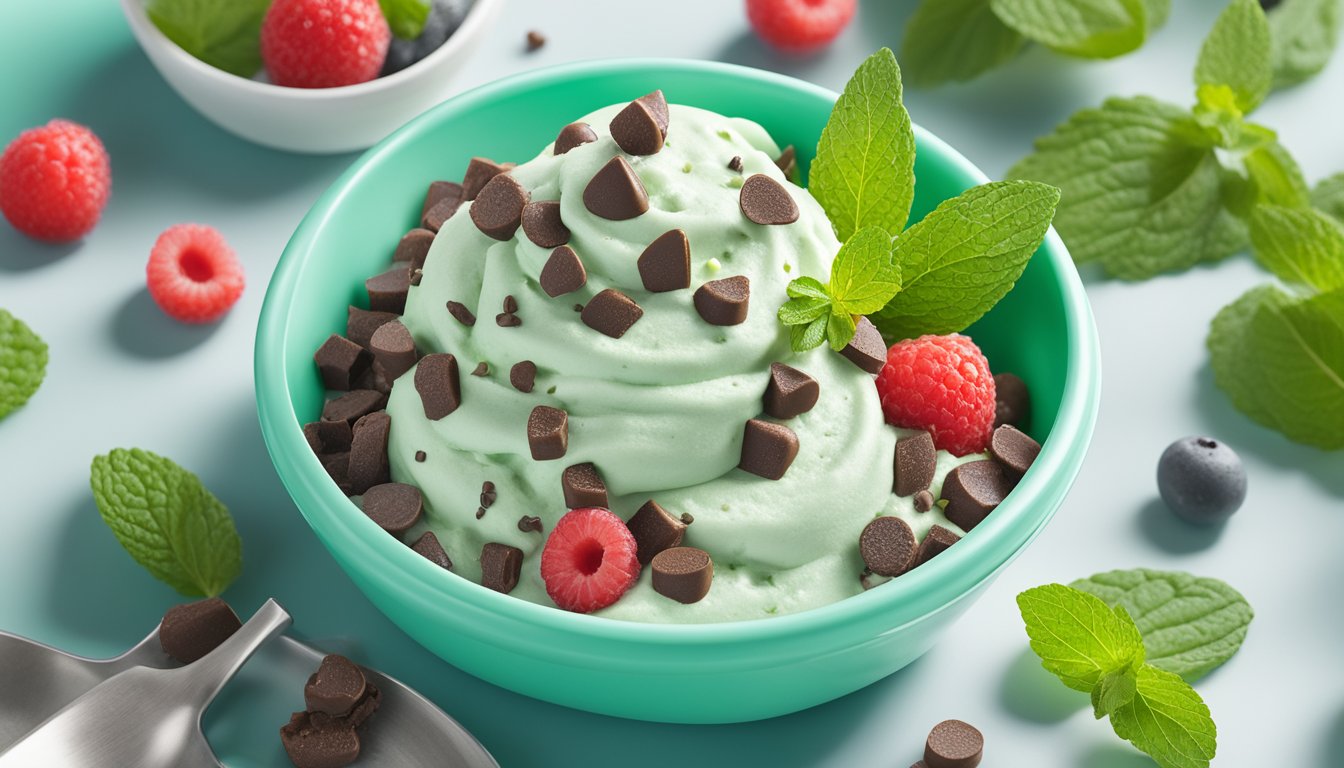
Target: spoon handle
{"points": [[209, 674]]}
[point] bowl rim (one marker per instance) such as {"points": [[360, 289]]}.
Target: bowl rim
{"points": [[980, 555], [148, 33]]}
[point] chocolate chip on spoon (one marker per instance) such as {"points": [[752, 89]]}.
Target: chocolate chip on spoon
{"points": [[500, 567], [190, 631], [973, 490], [335, 688], [310, 745], [428, 547], [724, 302], [683, 574], [394, 349], [654, 531], [611, 313], [768, 449], [395, 507], [438, 384], [666, 264], [498, 209], [563, 272], [542, 224], [573, 135], [888, 546], [547, 433], [914, 465], [615, 192], [867, 349], [790, 392], [479, 173], [764, 201], [583, 487], [954, 744], [341, 362], [641, 127]]}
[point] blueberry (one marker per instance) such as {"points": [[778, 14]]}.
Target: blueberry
{"points": [[445, 16], [1201, 479], [1269, 5]]}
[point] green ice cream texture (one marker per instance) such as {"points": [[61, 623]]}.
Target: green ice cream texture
{"points": [[660, 412]]}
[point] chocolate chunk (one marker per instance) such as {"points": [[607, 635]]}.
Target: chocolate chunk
{"points": [[413, 248], [920, 764], [337, 466], [443, 200], [488, 494], [387, 291], [573, 135], [508, 320], [724, 302], [611, 313], [542, 224], [666, 264], [535, 40], [973, 490], [498, 210], [683, 574], [428, 547], [420, 456], [735, 164], [788, 163], [395, 507], [438, 192], [923, 501], [914, 465], [480, 512], [375, 378], [331, 745], [482, 369], [361, 323], [461, 314], [888, 546], [764, 201], [394, 349], [615, 192], [335, 688], [417, 275], [368, 452], [327, 436], [188, 632], [479, 173], [954, 744], [790, 392], [353, 405], [654, 531], [935, 542], [500, 566], [768, 449], [563, 272], [1012, 401], [437, 381], [583, 487], [523, 376], [547, 432], [364, 708], [529, 524], [1015, 450], [341, 362], [867, 349], [641, 127]]}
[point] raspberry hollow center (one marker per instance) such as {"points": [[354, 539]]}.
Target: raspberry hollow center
{"points": [[196, 266], [588, 556]]}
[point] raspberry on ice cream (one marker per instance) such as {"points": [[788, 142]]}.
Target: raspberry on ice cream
{"points": [[941, 384], [589, 560], [324, 43], [54, 181]]}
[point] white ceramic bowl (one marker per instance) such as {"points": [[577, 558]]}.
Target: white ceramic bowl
{"points": [[313, 120]]}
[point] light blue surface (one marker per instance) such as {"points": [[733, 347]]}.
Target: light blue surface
{"points": [[122, 375]]}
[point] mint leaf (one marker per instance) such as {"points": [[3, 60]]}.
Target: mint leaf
{"points": [[1094, 29], [840, 329], [1158, 11], [226, 34], [1079, 638], [864, 171], [23, 363], [1138, 194], [1328, 197], [964, 256], [1115, 690], [864, 275], [949, 40], [1168, 721], [803, 311], [167, 521], [1276, 177], [810, 336], [1219, 114], [1300, 246], [807, 287], [1190, 625], [1236, 54], [406, 18], [1302, 36]]}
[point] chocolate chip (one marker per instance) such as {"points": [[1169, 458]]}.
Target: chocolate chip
{"points": [[611, 313], [414, 247], [535, 40], [768, 449], [488, 494], [523, 376], [529, 524], [420, 456], [387, 291], [337, 466], [573, 135], [500, 566], [790, 392], [395, 507], [1012, 401], [482, 369], [973, 490], [436, 379], [683, 574], [364, 708], [954, 744], [480, 512], [542, 224], [416, 275], [788, 163], [615, 192], [353, 405], [687, 518], [654, 531], [764, 201], [1015, 450], [583, 487], [666, 264], [641, 127], [188, 632], [438, 192], [724, 302], [935, 542], [923, 501], [461, 314], [428, 547], [361, 323], [341, 362], [375, 378], [508, 320], [368, 452], [888, 546], [498, 210], [327, 436], [914, 465], [547, 432], [335, 688], [479, 173], [443, 200], [735, 164], [510, 304], [332, 745], [394, 349], [867, 349], [563, 272]]}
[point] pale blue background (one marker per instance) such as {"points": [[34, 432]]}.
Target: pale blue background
{"points": [[122, 374]]}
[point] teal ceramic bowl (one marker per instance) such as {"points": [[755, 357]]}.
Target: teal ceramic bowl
{"points": [[1043, 330]]}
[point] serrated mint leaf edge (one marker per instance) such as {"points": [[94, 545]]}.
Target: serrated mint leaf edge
{"points": [[1074, 36], [24, 356]]}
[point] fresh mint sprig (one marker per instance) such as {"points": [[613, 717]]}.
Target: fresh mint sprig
{"points": [[1303, 35], [863, 279], [23, 363], [406, 18], [226, 34]]}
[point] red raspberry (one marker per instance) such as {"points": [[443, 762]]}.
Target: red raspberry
{"points": [[800, 25], [54, 181], [589, 560], [193, 274], [941, 384], [324, 43]]}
